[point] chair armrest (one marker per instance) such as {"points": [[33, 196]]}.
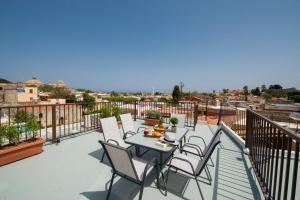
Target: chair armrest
{"points": [[194, 146], [143, 128], [128, 133], [113, 141], [184, 160], [195, 136]]}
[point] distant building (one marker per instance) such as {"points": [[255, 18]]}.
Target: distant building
{"points": [[27, 94], [58, 83], [8, 94], [33, 82]]}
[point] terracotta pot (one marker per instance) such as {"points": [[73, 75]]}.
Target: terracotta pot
{"points": [[151, 122], [14, 153]]}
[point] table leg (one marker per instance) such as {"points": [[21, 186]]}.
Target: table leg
{"points": [[137, 148]]}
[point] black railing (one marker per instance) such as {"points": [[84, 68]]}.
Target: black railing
{"points": [[274, 153], [61, 120]]}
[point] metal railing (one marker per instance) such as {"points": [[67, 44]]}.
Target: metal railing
{"points": [[274, 153], [61, 120]]}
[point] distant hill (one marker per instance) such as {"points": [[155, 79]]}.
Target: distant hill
{"points": [[2, 80]]}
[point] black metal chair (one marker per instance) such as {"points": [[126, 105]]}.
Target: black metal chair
{"points": [[190, 165], [133, 169]]}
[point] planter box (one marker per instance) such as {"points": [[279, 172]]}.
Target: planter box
{"points": [[14, 153], [151, 122]]}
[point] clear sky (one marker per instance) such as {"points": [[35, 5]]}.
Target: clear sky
{"points": [[134, 45]]}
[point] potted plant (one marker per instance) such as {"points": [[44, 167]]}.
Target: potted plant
{"points": [[174, 122], [109, 111], [152, 117], [17, 149]]}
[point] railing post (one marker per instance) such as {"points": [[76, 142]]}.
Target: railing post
{"points": [[249, 128], [54, 124], [195, 115], [220, 114], [135, 110]]}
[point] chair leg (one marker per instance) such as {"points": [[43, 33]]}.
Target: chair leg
{"points": [[199, 188], [167, 176], [157, 177], [110, 186], [102, 156], [141, 191]]}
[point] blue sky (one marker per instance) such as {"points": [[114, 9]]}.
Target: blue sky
{"points": [[135, 45]]}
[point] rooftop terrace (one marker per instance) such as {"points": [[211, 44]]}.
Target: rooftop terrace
{"points": [[72, 170]]}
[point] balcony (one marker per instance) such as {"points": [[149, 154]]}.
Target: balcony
{"points": [[71, 169]]}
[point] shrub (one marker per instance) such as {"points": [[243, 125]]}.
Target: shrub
{"points": [[153, 114], [2, 134], [12, 134], [21, 116], [116, 111], [174, 121], [33, 125], [105, 111]]}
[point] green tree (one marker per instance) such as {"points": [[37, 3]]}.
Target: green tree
{"points": [[267, 96], [176, 94], [263, 88], [245, 92], [88, 101], [275, 87], [256, 91], [181, 86], [114, 94]]}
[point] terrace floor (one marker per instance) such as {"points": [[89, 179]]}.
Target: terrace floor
{"points": [[72, 170]]}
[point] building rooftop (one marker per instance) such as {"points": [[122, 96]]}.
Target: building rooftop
{"points": [[72, 170]]}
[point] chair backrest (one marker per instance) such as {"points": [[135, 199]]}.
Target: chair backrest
{"points": [[210, 150], [218, 132], [181, 119], [127, 123], [110, 128], [119, 159]]}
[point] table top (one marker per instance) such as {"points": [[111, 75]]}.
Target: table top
{"points": [[140, 140]]}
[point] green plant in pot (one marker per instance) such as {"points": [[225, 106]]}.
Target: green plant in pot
{"points": [[32, 125], [12, 134], [105, 111], [116, 111], [153, 114], [2, 135], [153, 117], [174, 122]]}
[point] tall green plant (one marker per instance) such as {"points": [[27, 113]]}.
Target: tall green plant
{"points": [[12, 134], [33, 125], [21, 116], [88, 101], [105, 111], [116, 111], [2, 134]]}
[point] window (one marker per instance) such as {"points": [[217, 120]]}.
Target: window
{"points": [[31, 98], [31, 91], [1, 88]]}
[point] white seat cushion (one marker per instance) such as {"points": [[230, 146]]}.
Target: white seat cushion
{"points": [[185, 166], [140, 166]]}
